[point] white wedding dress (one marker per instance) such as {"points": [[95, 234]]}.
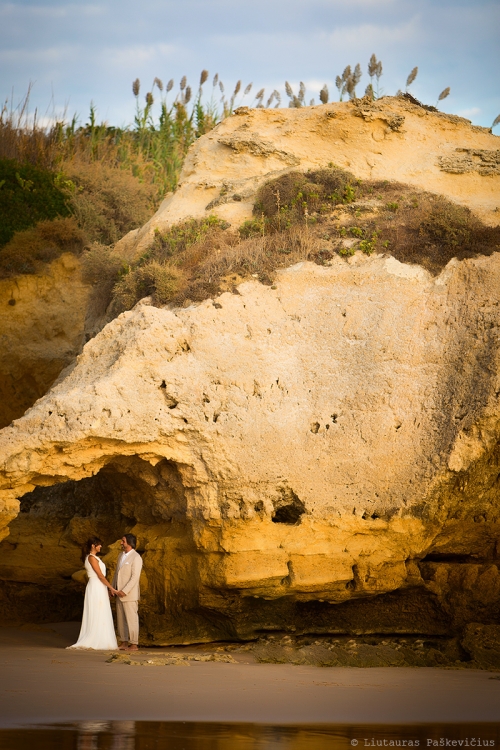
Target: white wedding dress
{"points": [[97, 631]]}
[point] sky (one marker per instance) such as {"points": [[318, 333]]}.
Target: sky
{"points": [[74, 53]]}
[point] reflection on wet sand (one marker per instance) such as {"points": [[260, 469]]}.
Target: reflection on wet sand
{"points": [[143, 735]]}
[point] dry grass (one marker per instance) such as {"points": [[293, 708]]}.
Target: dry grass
{"points": [[314, 216], [101, 268], [217, 260], [373, 216], [28, 251], [161, 281], [106, 202], [256, 257]]}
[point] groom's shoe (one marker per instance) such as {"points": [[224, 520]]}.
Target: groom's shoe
{"points": [[123, 646], [133, 647]]}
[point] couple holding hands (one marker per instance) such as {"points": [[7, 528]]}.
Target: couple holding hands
{"points": [[97, 631]]}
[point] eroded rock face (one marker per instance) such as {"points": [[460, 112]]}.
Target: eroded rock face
{"points": [[389, 139], [42, 320], [319, 456]]}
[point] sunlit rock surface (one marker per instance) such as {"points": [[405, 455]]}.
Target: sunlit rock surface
{"points": [[319, 456], [42, 320], [284, 455]]}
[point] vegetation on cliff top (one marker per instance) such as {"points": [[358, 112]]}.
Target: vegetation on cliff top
{"points": [[314, 216], [94, 183]]}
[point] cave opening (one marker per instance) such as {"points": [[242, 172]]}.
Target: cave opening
{"points": [[289, 508], [40, 559]]}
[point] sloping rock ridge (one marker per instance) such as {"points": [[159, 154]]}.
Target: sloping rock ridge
{"points": [[391, 138]]}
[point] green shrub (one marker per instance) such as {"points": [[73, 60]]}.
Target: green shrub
{"points": [[369, 244], [448, 225], [254, 227], [28, 194], [175, 240], [294, 196], [160, 281]]}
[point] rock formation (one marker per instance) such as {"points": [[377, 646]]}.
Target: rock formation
{"points": [[391, 138], [321, 455], [42, 319]]}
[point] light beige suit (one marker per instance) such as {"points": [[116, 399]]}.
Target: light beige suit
{"points": [[126, 579]]}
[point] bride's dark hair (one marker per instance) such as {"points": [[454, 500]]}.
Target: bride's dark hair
{"points": [[92, 540]]}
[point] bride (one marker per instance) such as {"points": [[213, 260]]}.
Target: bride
{"points": [[97, 631]]}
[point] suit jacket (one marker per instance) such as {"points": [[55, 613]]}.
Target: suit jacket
{"points": [[127, 577]]}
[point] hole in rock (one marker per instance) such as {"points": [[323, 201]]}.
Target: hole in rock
{"points": [[443, 557], [289, 508]]}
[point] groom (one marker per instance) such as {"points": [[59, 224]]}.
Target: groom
{"points": [[126, 580]]}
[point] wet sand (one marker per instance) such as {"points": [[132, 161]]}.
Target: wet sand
{"points": [[43, 683]]}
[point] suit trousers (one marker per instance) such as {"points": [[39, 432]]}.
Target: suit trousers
{"points": [[128, 620]]}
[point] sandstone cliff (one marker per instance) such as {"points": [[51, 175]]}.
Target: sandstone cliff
{"points": [[317, 456], [42, 318], [309, 442]]}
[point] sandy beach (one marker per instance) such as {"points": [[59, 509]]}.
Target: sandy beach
{"points": [[44, 683]]}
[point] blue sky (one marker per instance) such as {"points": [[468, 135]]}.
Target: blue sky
{"points": [[78, 52]]}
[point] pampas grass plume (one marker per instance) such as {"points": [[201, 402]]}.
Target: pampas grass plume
{"points": [[411, 77]]}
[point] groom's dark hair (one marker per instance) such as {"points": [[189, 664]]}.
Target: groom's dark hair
{"points": [[131, 540]]}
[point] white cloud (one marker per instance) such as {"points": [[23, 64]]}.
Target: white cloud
{"points": [[41, 56], [139, 54], [93, 49], [50, 12], [367, 36], [472, 112], [348, 41]]}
